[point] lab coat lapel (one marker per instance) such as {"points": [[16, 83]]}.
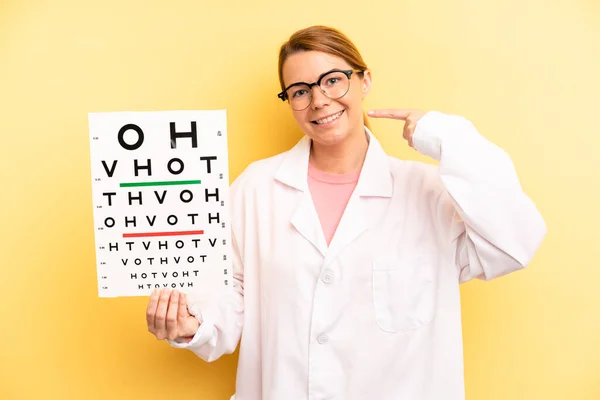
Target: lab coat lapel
{"points": [[351, 226], [306, 221], [293, 172], [375, 181]]}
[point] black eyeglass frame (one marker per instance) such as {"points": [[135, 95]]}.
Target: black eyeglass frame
{"points": [[348, 72]]}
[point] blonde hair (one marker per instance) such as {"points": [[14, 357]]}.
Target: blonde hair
{"points": [[324, 39]]}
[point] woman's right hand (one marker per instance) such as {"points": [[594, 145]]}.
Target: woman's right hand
{"points": [[168, 317]]}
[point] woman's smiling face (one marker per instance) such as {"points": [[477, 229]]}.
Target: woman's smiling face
{"points": [[327, 121]]}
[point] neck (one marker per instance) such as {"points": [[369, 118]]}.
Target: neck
{"points": [[343, 158]]}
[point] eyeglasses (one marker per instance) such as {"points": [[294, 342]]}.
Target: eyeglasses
{"points": [[333, 84]]}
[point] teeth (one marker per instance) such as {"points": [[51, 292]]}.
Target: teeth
{"points": [[329, 119]]}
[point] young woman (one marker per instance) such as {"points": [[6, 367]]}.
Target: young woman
{"points": [[347, 261]]}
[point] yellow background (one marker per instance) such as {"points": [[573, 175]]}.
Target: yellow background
{"points": [[526, 72]]}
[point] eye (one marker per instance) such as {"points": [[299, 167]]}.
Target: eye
{"points": [[299, 93], [332, 81]]}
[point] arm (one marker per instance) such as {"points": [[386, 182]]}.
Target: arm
{"points": [[491, 226]]}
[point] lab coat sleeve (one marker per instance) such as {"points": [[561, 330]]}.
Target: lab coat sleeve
{"points": [[222, 319], [490, 226]]}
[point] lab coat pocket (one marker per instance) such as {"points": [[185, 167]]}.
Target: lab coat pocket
{"points": [[403, 295]]}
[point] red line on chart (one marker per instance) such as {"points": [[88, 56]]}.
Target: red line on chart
{"points": [[148, 234]]}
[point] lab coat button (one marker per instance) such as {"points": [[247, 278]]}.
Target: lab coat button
{"points": [[323, 339], [327, 276]]}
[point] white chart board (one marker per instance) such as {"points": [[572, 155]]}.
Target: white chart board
{"points": [[160, 191]]}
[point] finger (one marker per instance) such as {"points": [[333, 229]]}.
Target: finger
{"points": [[172, 315], [406, 131], [390, 113], [160, 320], [409, 129], [151, 310], [188, 314], [186, 320]]}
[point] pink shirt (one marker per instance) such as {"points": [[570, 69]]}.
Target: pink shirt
{"points": [[330, 194]]}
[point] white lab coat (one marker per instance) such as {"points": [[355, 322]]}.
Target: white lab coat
{"points": [[376, 315]]}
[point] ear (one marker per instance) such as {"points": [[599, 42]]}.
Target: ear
{"points": [[366, 82]]}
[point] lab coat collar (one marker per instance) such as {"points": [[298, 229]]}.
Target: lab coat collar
{"points": [[375, 177], [375, 180]]}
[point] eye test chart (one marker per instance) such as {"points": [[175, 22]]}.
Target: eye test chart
{"points": [[160, 194]]}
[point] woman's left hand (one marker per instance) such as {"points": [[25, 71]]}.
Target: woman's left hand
{"points": [[410, 118]]}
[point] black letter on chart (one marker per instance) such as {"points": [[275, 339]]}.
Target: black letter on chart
{"points": [[109, 194], [210, 218], [208, 160], [129, 221], [215, 194], [137, 167], [139, 141], [110, 171], [170, 166], [176, 135], [160, 199], [193, 220], [132, 198]]}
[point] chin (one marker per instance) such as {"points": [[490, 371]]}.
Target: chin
{"points": [[328, 137]]}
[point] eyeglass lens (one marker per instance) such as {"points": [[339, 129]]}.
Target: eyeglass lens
{"points": [[333, 85]]}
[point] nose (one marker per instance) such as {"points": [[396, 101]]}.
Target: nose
{"points": [[319, 100]]}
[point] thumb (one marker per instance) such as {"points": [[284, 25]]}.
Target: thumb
{"points": [[183, 310]]}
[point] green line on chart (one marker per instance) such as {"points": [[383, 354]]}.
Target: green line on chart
{"points": [[164, 183]]}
